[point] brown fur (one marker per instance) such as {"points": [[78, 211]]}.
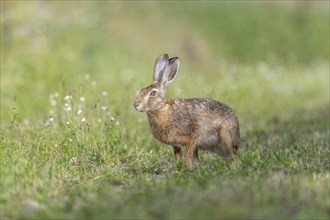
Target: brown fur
{"points": [[194, 123]]}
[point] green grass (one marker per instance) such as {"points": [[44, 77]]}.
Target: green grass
{"points": [[103, 162]]}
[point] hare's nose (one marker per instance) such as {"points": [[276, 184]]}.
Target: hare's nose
{"points": [[136, 105]]}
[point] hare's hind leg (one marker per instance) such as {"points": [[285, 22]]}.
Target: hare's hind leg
{"points": [[228, 140], [177, 153]]}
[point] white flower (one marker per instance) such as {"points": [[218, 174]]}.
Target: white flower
{"points": [[82, 99], [51, 96], [73, 160], [56, 94], [104, 93], [68, 123], [112, 119], [83, 120], [87, 76], [68, 109], [67, 97], [104, 108], [52, 102], [66, 105], [79, 112], [117, 123], [51, 112], [51, 119], [99, 120]]}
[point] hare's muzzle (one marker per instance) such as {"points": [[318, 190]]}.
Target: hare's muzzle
{"points": [[136, 106]]}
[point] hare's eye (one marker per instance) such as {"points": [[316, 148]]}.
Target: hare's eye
{"points": [[153, 93]]}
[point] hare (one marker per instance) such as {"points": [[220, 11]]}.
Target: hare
{"points": [[197, 123]]}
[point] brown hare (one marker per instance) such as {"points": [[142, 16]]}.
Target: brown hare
{"points": [[197, 123]]}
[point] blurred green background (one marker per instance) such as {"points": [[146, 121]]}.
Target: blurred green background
{"points": [[117, 43]]}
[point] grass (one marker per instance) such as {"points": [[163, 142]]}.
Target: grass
{"points": [[72, 145]]}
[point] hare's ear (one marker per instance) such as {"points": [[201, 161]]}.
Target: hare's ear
{"points": [[171, 70], [159, 68]]}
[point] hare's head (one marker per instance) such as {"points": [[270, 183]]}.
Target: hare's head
{"points": [[154, 96]]}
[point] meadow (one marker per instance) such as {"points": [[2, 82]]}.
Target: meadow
{"points": [[73, 146]]}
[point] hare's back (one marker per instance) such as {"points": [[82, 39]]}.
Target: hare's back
{"points": [[203, 109], [205, 115]]}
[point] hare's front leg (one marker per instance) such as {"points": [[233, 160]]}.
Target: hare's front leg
{"points": [[177, 153], [191, 156]]}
